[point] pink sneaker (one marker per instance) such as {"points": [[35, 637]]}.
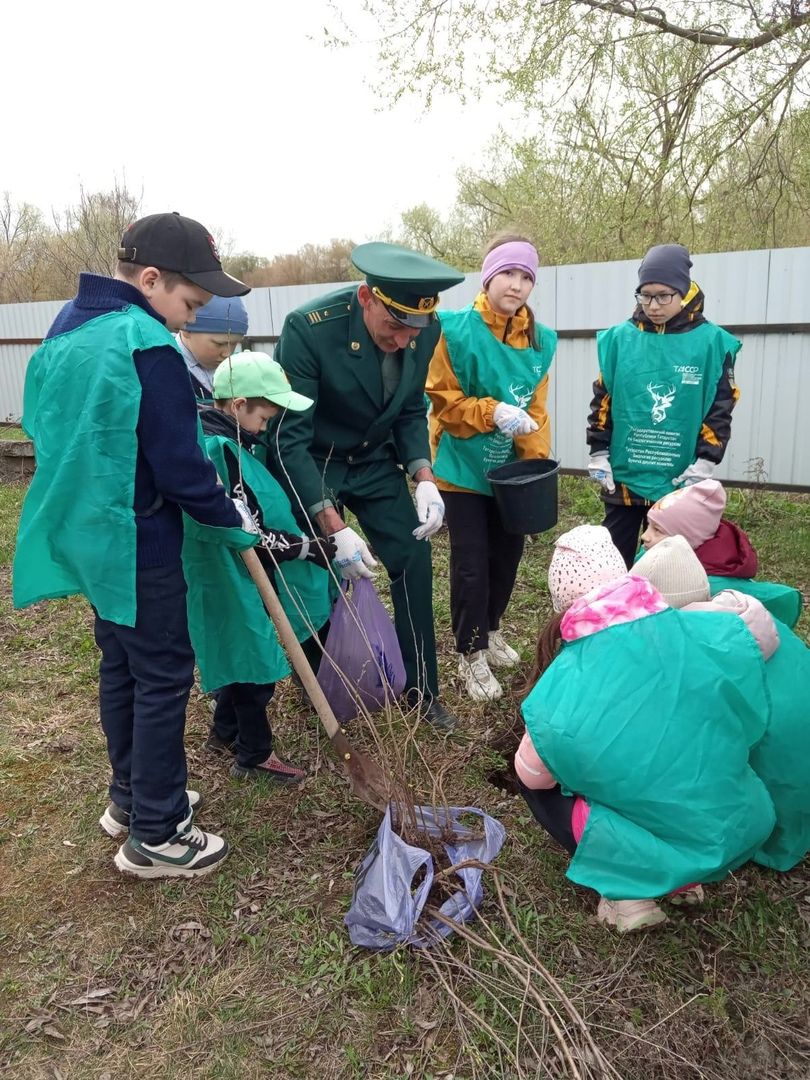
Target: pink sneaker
{"points": [[629, 915], [273, 768]]}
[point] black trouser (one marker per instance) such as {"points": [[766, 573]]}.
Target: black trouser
{"points": [[484, 561], [625, 523], [553, 810], [240, 718], [145, 676]]}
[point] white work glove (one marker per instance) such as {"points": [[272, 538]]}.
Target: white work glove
{"points": [[600, 470], [352, 554], [429, 509], [248, 524], [697, 471], [512, 421]]}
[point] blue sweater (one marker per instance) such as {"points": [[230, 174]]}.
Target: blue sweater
{"points": [[171, 471]]}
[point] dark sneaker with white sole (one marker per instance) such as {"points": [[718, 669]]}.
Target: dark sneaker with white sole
{"points": [[189, 853], [115, 821]]}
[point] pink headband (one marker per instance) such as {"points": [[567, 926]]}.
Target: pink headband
{"points": [[513, 255]]}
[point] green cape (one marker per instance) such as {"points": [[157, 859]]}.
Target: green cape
{"points": [[653, 722], [782, 758], [232, 635], [80, 407]]}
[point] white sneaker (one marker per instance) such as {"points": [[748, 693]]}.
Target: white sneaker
{"points": [[189, 853], [629, 915], [499, 654], [479, 682]]}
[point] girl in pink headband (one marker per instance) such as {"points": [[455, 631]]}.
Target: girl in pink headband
{"points": [[487, 384]]}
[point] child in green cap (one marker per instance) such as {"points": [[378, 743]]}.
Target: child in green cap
{"points": [[236, 647]]}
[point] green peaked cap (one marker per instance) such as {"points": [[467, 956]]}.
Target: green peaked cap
{"points": [[407, 282]]}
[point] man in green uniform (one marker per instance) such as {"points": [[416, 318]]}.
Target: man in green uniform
{"points": [[362, 355]]}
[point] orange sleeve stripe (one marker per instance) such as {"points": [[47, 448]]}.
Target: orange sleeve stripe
{"points": [[707, 435], [604, 409]]}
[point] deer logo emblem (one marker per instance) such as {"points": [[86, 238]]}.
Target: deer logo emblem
{"points": [[661, 402], [522, 396]]}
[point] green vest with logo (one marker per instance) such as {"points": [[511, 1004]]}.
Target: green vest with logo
{"points": [[233, 638], [487, 367], [661, 387]]}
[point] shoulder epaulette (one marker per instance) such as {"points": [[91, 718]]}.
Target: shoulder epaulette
{"points": [[326, 314]]}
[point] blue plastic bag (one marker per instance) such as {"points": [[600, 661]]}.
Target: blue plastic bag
{"points": [[362, 661], [385, 907]]}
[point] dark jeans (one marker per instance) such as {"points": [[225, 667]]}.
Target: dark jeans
{"points": [[145, 676], [553, 811], [484, 561], [241, 718], [625, 524]]}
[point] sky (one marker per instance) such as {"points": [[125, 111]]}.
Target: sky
{"points": [[236, 114]]}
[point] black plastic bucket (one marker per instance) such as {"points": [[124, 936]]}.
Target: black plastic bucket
{"points": [[526, 495]]}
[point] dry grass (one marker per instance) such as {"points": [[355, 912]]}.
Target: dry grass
{"points": [[250, 973]]}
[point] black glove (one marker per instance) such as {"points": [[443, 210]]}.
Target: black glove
{"points": [[322, 550], [283, 546]]}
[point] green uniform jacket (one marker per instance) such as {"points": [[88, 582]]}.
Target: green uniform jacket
{"points": [[329, 356]]}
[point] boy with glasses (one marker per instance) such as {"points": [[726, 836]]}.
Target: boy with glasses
{"points": [[660, 418]]}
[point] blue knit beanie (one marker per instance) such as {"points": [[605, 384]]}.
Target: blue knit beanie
{"points": [[666, 264], [221, 315]]}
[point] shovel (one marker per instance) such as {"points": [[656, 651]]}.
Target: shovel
{"points": [[368, 782]]}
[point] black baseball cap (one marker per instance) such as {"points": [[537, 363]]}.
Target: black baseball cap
{"points": [[181, 244]]}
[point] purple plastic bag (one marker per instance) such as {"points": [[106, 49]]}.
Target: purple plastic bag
{"points": [[385, 908], [362, 662]]}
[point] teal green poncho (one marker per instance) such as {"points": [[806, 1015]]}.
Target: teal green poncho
{"points": [[782, 758], [652, 722], [80, 408], [232, 635]]}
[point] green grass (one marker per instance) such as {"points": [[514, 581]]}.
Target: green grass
{"points": [[13, 432], [250, 973]]}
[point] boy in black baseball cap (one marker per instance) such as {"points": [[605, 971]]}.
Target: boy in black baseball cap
{"points": [[110, 408], [177, 243]]}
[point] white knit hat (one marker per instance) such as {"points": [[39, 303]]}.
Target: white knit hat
{"points": [[583, 557], [675, 570]]}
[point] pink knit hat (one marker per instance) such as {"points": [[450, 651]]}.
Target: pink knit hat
{"points": [[583, 557], [693, 512], [752, 612]]}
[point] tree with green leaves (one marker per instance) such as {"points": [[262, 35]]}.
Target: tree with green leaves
{"points": [[642, 112]]}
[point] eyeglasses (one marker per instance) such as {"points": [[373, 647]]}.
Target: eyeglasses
{"points": [[662, 298]]}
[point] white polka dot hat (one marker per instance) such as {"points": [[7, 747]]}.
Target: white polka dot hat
{"points": [[583, 557]]}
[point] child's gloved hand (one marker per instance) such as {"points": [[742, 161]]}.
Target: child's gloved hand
{"points": [[600, 470], [697, 471], [319, 550], [512, 421]]}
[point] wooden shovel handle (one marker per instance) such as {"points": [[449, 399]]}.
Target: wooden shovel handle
{"points": [[290, 642]]}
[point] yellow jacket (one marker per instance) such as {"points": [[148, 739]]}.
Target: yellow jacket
{"points": [[465, 416]]}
